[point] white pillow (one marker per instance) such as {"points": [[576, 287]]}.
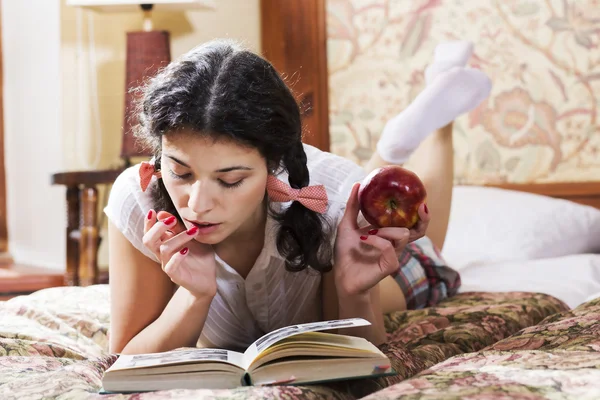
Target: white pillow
{"points": [[573, 279], [489, 225]]}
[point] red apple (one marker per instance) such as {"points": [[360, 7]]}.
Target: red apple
{"points": [[390, 196]]}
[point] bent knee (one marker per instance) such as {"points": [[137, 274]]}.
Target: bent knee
{"points": [[392, 297]]}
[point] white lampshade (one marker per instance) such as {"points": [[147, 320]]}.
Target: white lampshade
{"points": [[134, 5]]}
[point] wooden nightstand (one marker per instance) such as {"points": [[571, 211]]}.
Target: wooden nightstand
{"points": [[82, 236], [17, 280]]}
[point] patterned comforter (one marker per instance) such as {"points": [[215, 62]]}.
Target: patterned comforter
{"points": [[53, 344]]}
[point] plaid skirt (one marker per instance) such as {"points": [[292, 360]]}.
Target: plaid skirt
{"points": [[424, 276]]}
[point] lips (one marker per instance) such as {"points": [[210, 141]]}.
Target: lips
{"points": [[203, 224]]}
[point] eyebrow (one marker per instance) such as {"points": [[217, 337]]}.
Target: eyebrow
{"points": [[227, 169]]}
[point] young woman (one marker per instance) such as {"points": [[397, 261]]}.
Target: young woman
{"points": [[237, 228]]}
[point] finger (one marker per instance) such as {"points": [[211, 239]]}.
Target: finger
{"points": [[420, 228], [171, 268], [350, 218], [418, 231], [175, 243], [168, 235], [397, 236], [162, 215], [424, 213], [388, 260], [152, 238], [179, 227], [150, 220]]}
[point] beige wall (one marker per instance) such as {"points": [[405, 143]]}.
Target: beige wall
{"points": [[43, 99], [32, 131]]}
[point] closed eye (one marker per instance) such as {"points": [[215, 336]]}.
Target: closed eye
{"points": [[176, 176], [230, 185], [188, 175]]}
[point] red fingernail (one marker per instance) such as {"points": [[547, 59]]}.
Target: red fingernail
{"points": [[184, 251], [363, 237], [192, 230], [373, 231], [150, 214], [170, 220], [426, 210]]}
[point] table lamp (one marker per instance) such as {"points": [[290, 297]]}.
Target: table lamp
{"points": [[148, 50]]}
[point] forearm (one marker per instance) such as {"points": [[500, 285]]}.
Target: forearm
{"points": [[179, 325], [366, 306]]}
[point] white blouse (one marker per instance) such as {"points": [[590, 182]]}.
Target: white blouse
{"points": [[270, 297]]}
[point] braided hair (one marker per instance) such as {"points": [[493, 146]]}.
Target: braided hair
{"points": [[221, 90]]}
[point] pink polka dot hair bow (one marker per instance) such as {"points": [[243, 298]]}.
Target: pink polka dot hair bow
{"points": [[312, 197], [147, 171]]}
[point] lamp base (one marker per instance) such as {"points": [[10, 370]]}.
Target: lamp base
{"points": [[147, 53]]}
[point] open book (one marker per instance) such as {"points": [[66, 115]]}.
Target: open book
{"points": [[291, 355]]}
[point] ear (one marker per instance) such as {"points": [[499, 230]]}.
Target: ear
{"points": [[272, 167]]}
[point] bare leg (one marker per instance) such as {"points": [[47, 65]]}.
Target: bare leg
{"points": [[376, 162], [434, 164], [416, 128], [391, 297]]}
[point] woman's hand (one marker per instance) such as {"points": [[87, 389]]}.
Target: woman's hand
{"points": [[188, 263], [364, 256]]}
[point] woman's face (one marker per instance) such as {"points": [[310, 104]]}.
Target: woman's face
{"points": [[217, 186]]}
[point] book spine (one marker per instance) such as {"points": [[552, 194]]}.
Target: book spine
{"points": [[246, 379]]}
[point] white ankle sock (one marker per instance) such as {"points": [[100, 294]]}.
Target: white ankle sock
{"points": [[447, 55], [450, 94], [403, 134]]}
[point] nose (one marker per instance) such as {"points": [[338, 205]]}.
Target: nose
{"points": [[201, 199]]}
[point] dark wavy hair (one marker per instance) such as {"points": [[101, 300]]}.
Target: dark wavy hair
{"points": [[225, 92]]}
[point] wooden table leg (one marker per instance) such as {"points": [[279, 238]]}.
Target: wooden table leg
{"points": [[88, 243], [71, 275]]}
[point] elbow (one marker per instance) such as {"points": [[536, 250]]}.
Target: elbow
{"points": [[115, 348], [124, 349], [117, 343]]}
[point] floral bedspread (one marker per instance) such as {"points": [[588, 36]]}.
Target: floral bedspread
{"points": [[558, 358], [53, 344]]}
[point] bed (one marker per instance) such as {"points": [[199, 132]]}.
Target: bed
{"points": [[53, 344], [525, 324], [478, 344]]}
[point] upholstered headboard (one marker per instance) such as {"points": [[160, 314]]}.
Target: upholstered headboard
{"points": [[587, 193]]}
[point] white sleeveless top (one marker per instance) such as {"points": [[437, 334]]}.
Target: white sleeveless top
{"points": [[270, 297]]}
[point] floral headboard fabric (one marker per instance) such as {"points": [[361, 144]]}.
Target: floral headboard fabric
{"points": [[540, 124]]}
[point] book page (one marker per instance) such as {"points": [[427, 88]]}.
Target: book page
{"points": [[324, 340], [317, 344], [189, 356], [279, 334]]}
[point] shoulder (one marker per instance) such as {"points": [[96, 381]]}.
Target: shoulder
{"points": [[128, 178], [127, 187], [127, 206]]}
